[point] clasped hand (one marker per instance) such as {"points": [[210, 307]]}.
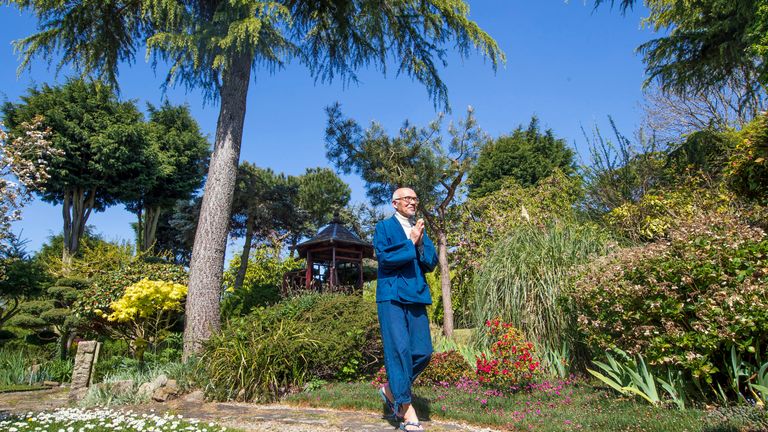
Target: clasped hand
{"points": [[417, 232]]}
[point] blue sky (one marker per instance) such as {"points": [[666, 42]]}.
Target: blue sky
{"points": [[566, 63]]}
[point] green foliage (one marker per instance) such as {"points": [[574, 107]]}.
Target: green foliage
{"points": [[525, 278], [178, 156], [101, 140], [526, 155], [445, 368], [620, 170], [321, 193], [660, 211], [631, 377], [54, 312], [21, 278], [202, 40], [747, 169], [94, 256], [261, 286], [107, 287], [485, 221], [481, 223], [145, 313], [705, 43], [275, 349], [682, 301]]}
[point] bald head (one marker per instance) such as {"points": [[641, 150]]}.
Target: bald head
{"points": [[405, 201]]}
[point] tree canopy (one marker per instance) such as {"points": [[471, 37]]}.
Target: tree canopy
{"points": [[707, 42], [526, 155], [101, 156]]}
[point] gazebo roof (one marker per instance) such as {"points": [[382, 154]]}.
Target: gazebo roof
{"points": [[335, 234]]}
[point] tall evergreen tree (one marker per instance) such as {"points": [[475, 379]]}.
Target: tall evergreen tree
{"points": [[102, 154], [215, 44], [179, 155], [706, 44], [526, 155]]}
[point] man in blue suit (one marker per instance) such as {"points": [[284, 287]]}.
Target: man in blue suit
{"points": [[405, 254]]}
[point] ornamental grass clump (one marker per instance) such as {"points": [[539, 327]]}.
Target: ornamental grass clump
{"points": [[512, 362], [683, 302], [526, 275]]}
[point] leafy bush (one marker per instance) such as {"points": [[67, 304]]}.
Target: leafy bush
{"points": [[747, 169], [108, 287], [660, 211], [146, 312], [444, 368], [483, 223], [275, 349], [261, 285], [684, 301], [511, 363], [524, 278]]}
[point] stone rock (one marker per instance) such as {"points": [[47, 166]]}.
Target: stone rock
{"points": [[172, 387], [121, 387], [87, 351], [167, 392], [195, 396], [159, 381], [148, 389], [51, 383], [145, 390]]}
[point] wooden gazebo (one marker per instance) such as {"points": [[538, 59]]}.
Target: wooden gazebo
{"points": [[334, 261]]}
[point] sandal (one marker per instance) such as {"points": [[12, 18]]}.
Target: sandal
{"points": [[404, 426], [390, 405]]}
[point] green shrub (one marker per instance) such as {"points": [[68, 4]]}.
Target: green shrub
{"points": [[276, 349], [660, 211], [523, 279], [747, 169], [685, 301], [261, 285], [58, 370], [445, 368]]}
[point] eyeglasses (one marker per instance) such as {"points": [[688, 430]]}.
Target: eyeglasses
{"points": [[408, 199]]}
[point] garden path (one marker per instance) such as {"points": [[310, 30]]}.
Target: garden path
{"points": [[244, 416]]}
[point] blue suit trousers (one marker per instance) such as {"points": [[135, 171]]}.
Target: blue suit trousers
{"points": [[407, 345]]}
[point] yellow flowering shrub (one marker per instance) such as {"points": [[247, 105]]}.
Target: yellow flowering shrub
{"points": [[146, 298], [146, 312]]}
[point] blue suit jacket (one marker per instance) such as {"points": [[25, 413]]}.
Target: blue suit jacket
{"points": [[402, 265]]}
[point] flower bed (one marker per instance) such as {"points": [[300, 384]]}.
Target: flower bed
{"points": [[103, 420]]}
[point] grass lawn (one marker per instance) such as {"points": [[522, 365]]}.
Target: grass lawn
{"points": [[555, 406], [20, 387]]}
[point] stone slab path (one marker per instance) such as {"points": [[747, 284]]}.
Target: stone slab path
{"points": [[244, 416]]}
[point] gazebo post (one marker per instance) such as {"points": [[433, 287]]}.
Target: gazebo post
{"points": [[308, 276], [334, 277]]}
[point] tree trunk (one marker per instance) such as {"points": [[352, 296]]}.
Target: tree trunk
{"points": [[205, 269], [245, 255], [76, 209], [151, 219], [445, 282]]}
